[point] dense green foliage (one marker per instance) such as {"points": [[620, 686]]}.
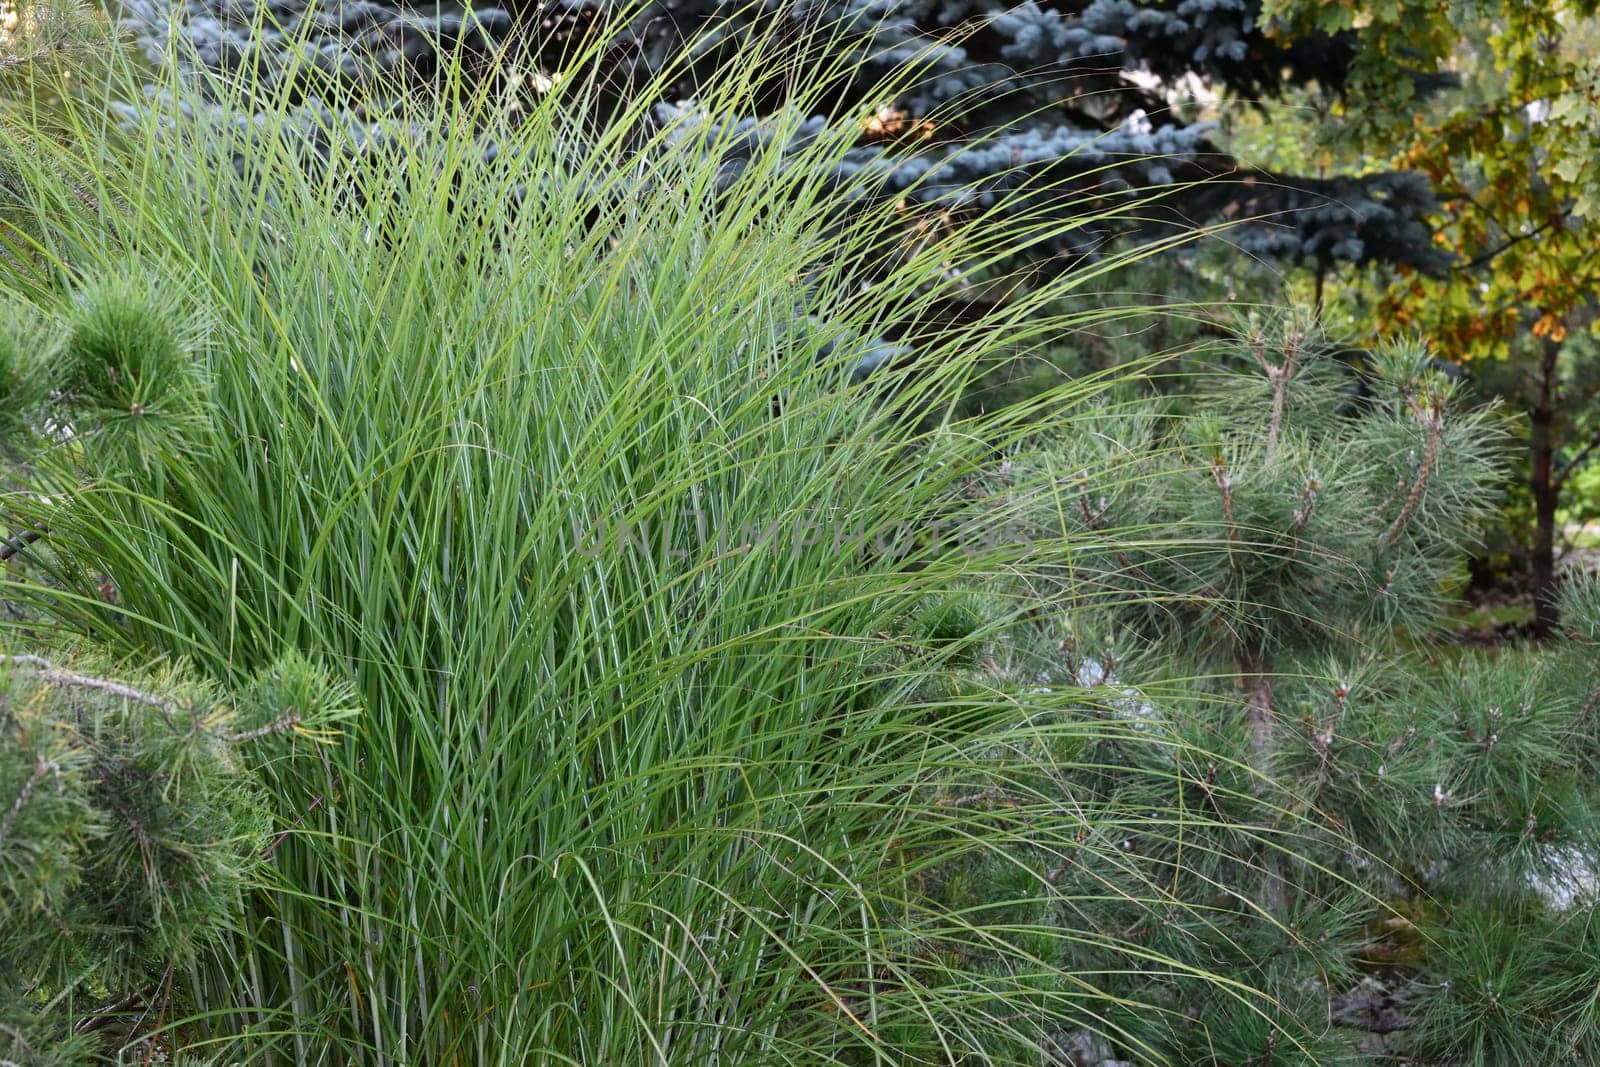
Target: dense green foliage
{"points": [[570, 485], [1509, 150], [1513, 154], [130, 830], [1402, 850], [731, 686], [975, 109], [1448, 147]]}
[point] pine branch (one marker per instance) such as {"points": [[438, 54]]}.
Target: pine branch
{"points": [[1092, 519], [1571, 465], [1219, 471], [141, 833], [42, 768], [1430, 454], [277, 726], [49, 672], [14, 545], [1305, 508], [1589, 706], [1278, 375]]}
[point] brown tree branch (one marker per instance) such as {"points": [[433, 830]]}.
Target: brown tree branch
{"points": [[14, 545], [1429, 455], [1570, 466], [1480, 260], [49, 672], [41, 770]]}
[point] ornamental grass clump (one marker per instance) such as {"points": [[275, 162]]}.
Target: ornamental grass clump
{"points": [[581, 459]]}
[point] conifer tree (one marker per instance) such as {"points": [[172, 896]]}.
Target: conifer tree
{"points": [[1300, 515], [1253, 587], [978, 108]]}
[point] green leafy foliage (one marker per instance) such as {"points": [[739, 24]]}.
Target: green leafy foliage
{"points": [[1509, 152], [714, 707]]}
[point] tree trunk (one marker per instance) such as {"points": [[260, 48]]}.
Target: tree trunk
{"points": [[1541, 482], [1259, 715]]}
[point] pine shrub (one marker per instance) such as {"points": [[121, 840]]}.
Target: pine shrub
{"points": [[1395, 839], [130, 834]]}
